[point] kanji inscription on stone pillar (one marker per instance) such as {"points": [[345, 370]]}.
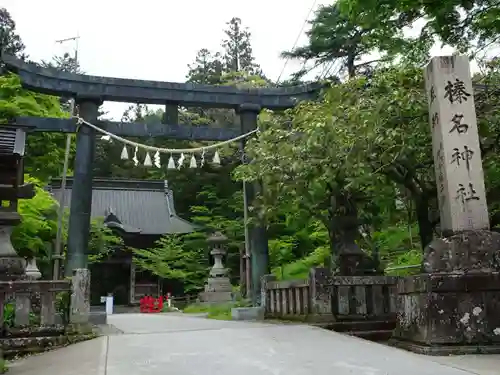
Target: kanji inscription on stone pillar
{"points": [[455, 145]]}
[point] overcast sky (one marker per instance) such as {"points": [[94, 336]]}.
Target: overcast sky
{"points": [[155, 39]]}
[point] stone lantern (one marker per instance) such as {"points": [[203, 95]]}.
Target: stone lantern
{"points": [[218, 287], [32, 272], [12, 188], [11, 264]]}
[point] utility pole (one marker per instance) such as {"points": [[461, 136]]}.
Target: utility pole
{"points": [[56, 256]]}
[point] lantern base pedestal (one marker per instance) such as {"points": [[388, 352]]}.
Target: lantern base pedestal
{"points": [[12, 266], [217, 290], [216, 297]]}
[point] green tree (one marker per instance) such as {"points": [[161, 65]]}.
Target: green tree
{"points": [[66, 63], [206, 69], [35, 235], [349, 158], [10, 41], [238, 53], [44, 151], [175, 258], [37, 229], [336, 40], [463, 24]]}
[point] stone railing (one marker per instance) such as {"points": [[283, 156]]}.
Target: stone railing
{"points": [[39, 315], [364, 297], [323, 298], [286, 298]]}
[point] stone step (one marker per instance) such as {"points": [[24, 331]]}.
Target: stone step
{"points": [[359, 326], [12, 347], [376, 335]]}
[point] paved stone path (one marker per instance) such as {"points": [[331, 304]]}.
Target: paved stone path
{"points": [[184, 345]]}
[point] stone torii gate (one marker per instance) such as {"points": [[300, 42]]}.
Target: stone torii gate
{"points": [[91, 91]]}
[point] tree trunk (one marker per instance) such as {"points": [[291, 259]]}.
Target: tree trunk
{"points": [[343, 229], [426, 229], [351, 68]]}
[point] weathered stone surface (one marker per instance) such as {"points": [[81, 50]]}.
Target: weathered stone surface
{"points": [[251, 348], [131, 129], [178, 345], [247, 313], [80, 296], [455, 145], [12, 346], [216, 297], [321, 293], [30, 331], [449, 313], [98, 317], [218, 287], [11, 264], [59, 83], [455, 307], [264, 298], [469, 251]]}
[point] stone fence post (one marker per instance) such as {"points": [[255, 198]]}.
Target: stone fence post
{"points": [[320, 286], [80, 297], [263, 292]]}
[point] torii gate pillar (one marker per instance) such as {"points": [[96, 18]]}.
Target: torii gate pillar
{"points": [[259, 250], [81, 193]]}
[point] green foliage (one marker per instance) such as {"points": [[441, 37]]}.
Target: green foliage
{"points": [[103, 241], [456, 22], [356, 164], [34, 236], [44, 151], [9, 315], [237, 58], [175, 258], [10, 41], [66, 63], [299, 269], [38, 226], [334, 37], [63, 302], [215, 311], [206, 69], [238, 54], [405, 264]]}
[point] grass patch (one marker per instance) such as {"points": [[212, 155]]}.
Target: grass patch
{"points": [[221, 311], [3, 366], [300, 269]]}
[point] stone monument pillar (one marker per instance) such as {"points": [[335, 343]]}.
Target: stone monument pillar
{"points": [[218, 287], [453, 307]]}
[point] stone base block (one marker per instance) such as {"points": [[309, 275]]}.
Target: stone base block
{"points": [[218, 284], [449, 313], [98, 317], [216, 297], [444, 350], [247, 313]]}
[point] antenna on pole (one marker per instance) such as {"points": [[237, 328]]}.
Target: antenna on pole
{"points": [[60, 213], [75, 39]]}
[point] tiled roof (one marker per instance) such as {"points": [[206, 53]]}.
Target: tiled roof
{"points": [[135, 206]]}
